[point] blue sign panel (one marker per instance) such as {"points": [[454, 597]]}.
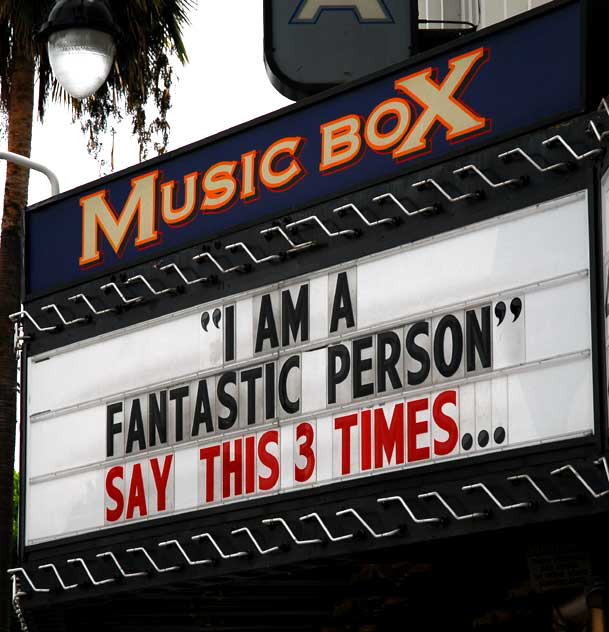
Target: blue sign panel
{"points": [[494, 85]]}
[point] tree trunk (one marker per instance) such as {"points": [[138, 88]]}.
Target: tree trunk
{"points": [[21, 104]]}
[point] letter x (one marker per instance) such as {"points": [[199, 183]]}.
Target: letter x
{"points": [[441, 103], [366, 11]]}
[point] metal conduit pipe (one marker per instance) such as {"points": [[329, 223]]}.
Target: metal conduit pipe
{"points": [[18, 159]]}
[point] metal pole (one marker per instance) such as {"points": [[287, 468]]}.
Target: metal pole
{"points": [[31, 164]]}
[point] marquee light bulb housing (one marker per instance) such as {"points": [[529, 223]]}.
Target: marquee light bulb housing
{"points": [[81, 40]]}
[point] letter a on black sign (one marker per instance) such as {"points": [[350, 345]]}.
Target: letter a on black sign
{"points": [[311, 45]]}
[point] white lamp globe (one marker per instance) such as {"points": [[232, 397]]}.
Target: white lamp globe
{"points": [[81, 59], [80, 37]]}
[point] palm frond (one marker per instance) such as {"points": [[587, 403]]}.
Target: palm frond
{"points": [[151, 31]]}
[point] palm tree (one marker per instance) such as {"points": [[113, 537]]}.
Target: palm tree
{"points": [[151, 30]]}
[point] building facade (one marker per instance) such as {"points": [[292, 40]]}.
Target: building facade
{"points": [[342, 368]]}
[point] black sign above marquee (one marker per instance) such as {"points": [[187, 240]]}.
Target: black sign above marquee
{"points": [[374, 130], [312, 45]]}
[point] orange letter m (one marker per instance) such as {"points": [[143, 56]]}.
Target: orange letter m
{"points": [[98, 213]]}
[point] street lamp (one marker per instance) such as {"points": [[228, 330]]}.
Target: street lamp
{"points": [[80, 37]]}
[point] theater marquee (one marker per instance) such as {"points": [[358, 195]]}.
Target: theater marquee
{"points": [[473, 341]]}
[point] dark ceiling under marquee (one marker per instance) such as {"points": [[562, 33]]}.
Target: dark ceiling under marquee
{"points": [[485, 582]]}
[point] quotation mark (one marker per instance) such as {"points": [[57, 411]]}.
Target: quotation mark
{"points": [[215, 318], [515, 309]]}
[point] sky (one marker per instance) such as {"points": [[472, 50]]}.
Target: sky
{"points": [[224, 84]]}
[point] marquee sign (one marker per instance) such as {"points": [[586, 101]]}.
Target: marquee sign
{"points": [[434, 351], [374, 130]]}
